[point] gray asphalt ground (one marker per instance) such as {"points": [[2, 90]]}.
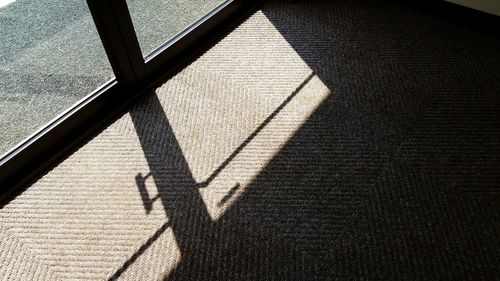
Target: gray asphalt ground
{"points": [[51, 55]]}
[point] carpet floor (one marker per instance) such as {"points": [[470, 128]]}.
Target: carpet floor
{"points": [[322, 140]]}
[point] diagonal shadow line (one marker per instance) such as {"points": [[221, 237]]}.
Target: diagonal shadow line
{"points": [[140, 251], [180, 223], [255, 133]]}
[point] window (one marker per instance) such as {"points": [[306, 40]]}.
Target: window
{"points": [[52, 58]]}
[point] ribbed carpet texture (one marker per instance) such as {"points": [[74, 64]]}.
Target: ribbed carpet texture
{"points": [[321, 140]]}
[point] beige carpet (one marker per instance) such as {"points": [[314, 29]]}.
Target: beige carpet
{"points": [[317, 141], [86, 218]]}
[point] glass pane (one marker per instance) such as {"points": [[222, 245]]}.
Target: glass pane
{"points": [[156, 21], [50, 57]]}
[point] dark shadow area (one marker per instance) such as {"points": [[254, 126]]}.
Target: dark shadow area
{"points": [[184, 207], [394, 177], [177, 190]]}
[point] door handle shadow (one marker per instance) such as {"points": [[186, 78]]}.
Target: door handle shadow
{"points": [[147, 201]]}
